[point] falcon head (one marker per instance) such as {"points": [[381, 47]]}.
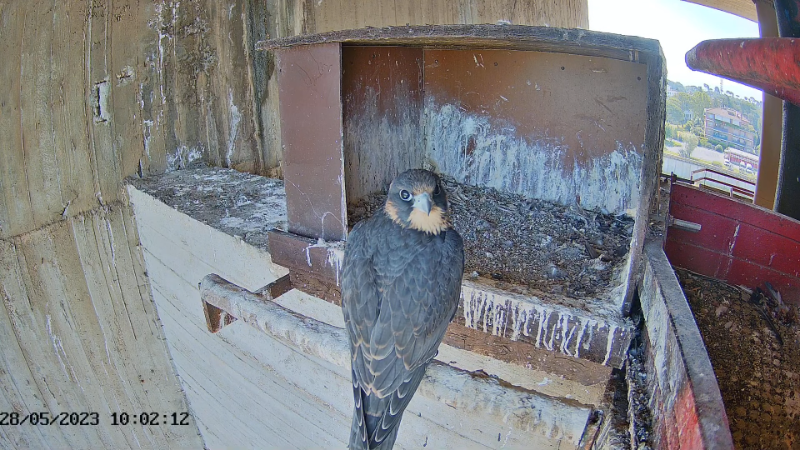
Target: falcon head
{"points": [[417, 200]]}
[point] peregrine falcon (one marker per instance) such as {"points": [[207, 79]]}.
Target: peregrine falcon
{"points": [[401, 283]]}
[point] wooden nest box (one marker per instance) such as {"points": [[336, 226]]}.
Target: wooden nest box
{"points": [[570, 117]]}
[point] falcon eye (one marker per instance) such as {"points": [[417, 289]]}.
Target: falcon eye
{"points": [[405, 195], [436, 191]]}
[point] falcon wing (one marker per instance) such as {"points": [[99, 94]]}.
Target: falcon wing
{"points": [[397, 304], [418, 304]]}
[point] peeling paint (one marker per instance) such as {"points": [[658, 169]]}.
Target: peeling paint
{"points": [[235, 118]]}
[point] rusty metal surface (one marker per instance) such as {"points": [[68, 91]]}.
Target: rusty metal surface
{"points": [[382, 89], [768, 64], [309, 78], [591, 105]]}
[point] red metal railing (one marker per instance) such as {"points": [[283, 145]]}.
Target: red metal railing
{"points": [[724, 179]]}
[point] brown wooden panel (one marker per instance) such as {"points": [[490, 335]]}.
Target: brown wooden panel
{"points": [[589, 104], [297, 252], [309, 80], [382, 101]]}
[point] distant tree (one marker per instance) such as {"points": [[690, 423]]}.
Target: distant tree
{"points": [[716, 89], [689, 144], [718, 148], [688, 125], [698, 103], [674, 111], [706, 86]]}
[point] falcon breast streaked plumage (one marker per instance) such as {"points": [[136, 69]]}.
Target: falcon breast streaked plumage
{"points": [[401, 284]]}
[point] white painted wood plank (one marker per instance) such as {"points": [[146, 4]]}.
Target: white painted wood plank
{"points": [[240, 399], [481, 407], [535, 380]]}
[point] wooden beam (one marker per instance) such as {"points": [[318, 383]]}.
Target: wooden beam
{"points": [[771, 123], [539, 323], [768, 64], [742, 8], [537, 415], [313, 165], [507, 37]]}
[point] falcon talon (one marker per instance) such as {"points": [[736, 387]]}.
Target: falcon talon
{"points": [[401, 282]]}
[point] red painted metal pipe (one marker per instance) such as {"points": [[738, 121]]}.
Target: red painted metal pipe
{"points": [[769, 64]]}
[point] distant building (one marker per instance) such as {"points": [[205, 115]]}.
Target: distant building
{"points": [[745, 161], [730, 128], [671, 91]]}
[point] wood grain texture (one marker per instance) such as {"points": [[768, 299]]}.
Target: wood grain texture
{"points": [[500, 37], [83, 335], [382, 112], [476, 399]]}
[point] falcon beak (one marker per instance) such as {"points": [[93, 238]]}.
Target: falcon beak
{"points": [[423, 202]]}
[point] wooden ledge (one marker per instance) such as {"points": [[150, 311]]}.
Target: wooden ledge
{"points": [[533, 413], [505, 37]]}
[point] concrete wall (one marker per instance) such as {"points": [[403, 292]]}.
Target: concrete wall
{"points": [[95, 92], [79, 333]]}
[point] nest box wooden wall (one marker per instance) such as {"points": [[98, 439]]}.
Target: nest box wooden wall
{"points": [[567, 116]]}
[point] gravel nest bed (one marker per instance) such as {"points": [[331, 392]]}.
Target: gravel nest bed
{"points": [[557, 249], [758, 377]]}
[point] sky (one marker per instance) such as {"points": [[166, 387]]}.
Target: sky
{"points": [[679, 26]]}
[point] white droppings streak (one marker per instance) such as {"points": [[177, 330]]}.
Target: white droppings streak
{"points": [[583, 323], [491, 156], [566, 336], [235, 117], [549, 344], [610, 341], [542, 327]]}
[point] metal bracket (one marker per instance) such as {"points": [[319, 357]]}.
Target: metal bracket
{"points": [[683, 224]]}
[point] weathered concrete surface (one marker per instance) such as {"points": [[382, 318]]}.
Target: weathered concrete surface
{"points": [[105, 91], [483, 406], [80, 333], [684, 396], [236, 203]]}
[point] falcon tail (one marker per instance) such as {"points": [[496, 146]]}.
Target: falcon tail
{"points": [[359, 437]]}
